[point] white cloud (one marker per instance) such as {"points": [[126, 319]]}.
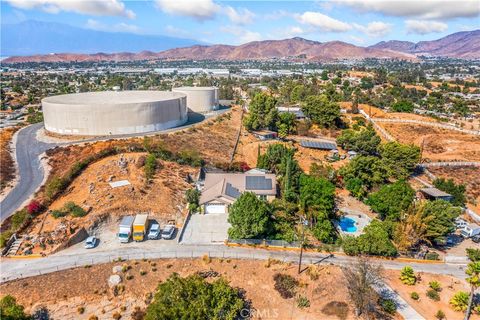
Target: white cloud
{"points": [[176, 31], [425, 27], [119, 27], [203, 10], [200, 10], [322, 22], [277, 14], [424, 9], [295, 31], [375, 28], [243, 35], [239, 16], [357, 40], [88, 7]]}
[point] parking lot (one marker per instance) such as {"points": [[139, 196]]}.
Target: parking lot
{"points": [[108, 241], [209, 228]]}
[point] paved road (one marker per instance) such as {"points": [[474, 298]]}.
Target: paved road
{"points": [[29, 149], [22, 268]]}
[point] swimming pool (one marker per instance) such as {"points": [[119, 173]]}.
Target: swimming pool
{"points": [[347, 224]]}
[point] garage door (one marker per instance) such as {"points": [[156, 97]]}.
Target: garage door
{"points": [[215, 208]]}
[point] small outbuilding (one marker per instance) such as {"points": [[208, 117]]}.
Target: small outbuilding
{"points": [[436, 194], [265, 135]]}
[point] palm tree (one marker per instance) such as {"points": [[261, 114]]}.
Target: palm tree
{"points": [[473, 272]]}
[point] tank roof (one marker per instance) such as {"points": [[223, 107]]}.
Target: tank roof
{"points": [[113, 97], [194, 88]]}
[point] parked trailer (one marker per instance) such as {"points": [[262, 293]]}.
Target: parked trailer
{"points": [[140, 225], [125, 229]]}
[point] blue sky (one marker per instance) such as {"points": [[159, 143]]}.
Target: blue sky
{"points": [[361, 22]]}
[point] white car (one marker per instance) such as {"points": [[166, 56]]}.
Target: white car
{"points": [[91, 242], [167, 232], [154, 231]]}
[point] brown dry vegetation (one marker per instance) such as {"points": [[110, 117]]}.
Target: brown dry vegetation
{"points": [[163, 198], [438, 144], [213, 140], [7, 166], [64, 292]]}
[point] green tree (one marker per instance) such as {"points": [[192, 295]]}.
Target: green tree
{"points": [[317, 194], [399, 159], [280, 160], [322, 111], [407, 276], [150, 166], [459, 301], [286, 124], [262, 113], [325, 231], [298, 93], [195, 298], [473, 273], [456, 190], [473, 254], [324, 75], [362, 174], [374, 241], [364, 141], [10, 310], [249, 217], [193, 197], [391, 200], [403, 106], [439, 216]]}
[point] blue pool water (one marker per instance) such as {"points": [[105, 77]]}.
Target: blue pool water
{"points": [[347, 224]]}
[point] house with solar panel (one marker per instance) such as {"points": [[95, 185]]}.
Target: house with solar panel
{"points": [[221, 189]]}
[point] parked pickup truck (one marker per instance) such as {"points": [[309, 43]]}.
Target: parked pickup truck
{"points": [[154, 231]]}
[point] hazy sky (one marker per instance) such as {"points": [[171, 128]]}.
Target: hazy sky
{"points": [[362, 22]]}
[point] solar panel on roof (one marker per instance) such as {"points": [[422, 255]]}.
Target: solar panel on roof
{"points": [[318, 144], [232, 191], [258, 183]]}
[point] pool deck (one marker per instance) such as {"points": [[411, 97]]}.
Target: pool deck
{"points": [[361, 221]]}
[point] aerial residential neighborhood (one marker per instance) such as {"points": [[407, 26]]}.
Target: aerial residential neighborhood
{"points": [[240, 160]]}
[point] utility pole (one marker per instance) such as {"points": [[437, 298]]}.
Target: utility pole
{"points": [[304, 223]]}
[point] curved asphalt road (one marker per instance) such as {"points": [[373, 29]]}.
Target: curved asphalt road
{"points": [[28, 150]]}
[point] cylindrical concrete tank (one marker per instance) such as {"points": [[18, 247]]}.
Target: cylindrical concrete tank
{"points": [[114, 113], [200, 99]]}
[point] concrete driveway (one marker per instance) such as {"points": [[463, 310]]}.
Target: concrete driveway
{"points": [[209, 228]]}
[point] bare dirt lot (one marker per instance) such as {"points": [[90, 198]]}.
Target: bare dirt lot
{"points": [[67, 291], [438, 144], [163, 199], [7, 167], [426, 306]]}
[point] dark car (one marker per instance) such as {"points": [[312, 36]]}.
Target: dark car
{"points": [[476, 238]]}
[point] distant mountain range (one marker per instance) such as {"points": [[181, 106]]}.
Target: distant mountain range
{"points": [[35, 37], [66, 44], [464, 45]]}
